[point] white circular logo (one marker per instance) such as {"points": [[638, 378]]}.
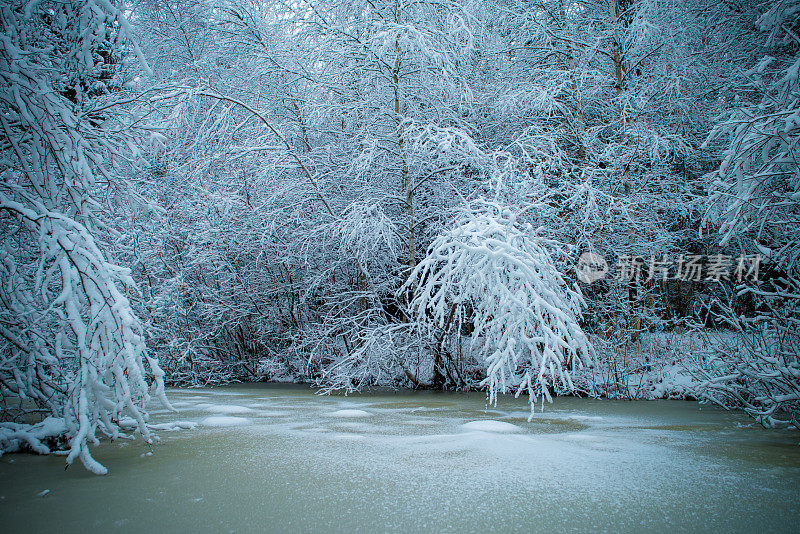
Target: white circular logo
{"points": [[591, 267]]}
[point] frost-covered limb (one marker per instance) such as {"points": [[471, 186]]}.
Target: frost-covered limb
{"points": [[72, 346], [755, 206], [759, 372], [502, 277], [378, 354], [16, 437]]}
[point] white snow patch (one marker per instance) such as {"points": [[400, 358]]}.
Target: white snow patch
{"points": [[490, 425], [261, 404], [350, 413], [176, 425], [223, 420], [15, 436]]}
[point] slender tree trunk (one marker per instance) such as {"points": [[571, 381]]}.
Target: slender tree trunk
{"points": [[406, 179], [616, 47], [580, 123]]}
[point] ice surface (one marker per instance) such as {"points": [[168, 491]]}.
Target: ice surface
{"points": [[177, 425], [227, 408], [490, 425], [347, 437], [453, 466]]}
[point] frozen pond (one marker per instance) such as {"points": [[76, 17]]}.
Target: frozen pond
{"points": [[279, 458]]}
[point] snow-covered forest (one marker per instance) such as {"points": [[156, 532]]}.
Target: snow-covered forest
{"points": [[597, 198]]}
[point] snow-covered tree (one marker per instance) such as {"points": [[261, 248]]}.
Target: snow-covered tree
{"points": [[497, 273], [755, 203], [72, 348], [598, 98]]}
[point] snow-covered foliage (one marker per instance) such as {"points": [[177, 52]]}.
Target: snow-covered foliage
{"points": [[755, 203], [659, 365], [758, 370], [502, 277], [756, 190], [601, 103], [72, 347]]}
